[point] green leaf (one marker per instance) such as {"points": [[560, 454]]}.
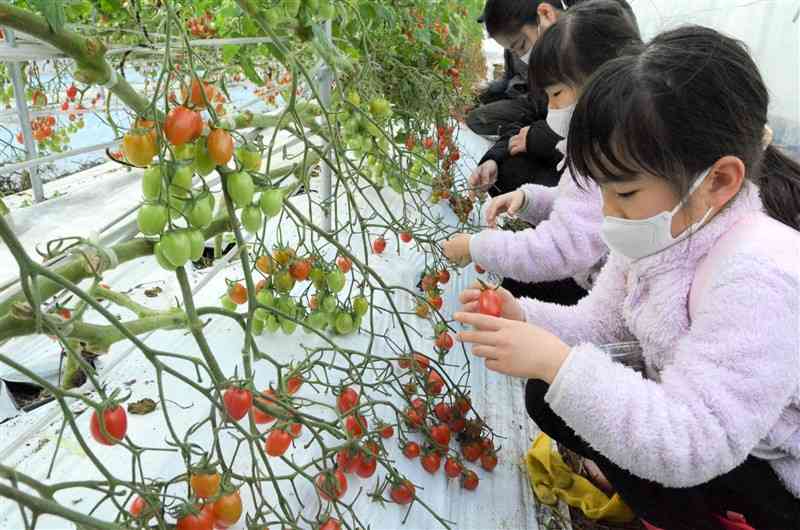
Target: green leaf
{"points": [[53, 11], [229, 51], [250, 70]]}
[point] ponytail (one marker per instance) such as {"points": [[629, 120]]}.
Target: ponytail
{"points": [[780, 187]]}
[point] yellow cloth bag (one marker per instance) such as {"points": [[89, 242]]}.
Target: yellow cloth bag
{"points": [[551, 479]]}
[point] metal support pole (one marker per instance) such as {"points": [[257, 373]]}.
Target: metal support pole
{"points": [[15, 70], [325, 81]]}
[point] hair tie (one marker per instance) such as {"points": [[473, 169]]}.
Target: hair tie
{"points": [[766, 140]]}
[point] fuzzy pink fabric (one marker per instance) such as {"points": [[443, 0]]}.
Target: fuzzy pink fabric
{"points": [[565, 243], [716, 390]]}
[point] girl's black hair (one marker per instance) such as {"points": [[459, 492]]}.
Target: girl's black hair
{"points": [[690, 98], [506, 17], [583, 39]]}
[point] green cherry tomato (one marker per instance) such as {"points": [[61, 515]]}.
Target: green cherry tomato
{"points": [[197, 243], [266, 298], [185, 151], [252, 219], [380, 108], [182, 178], [152, 218], [288, 326], [176, 247], [271, 202], [335, 280], [201, 213], [317, 320], [283, 282], [272, 324], [203, 163], [329, 304], [164, 262], [227, 303], [360, 305], [249, 157], [344, 323], [151, 183], [241, 188], [258, 326], [317, 278]]}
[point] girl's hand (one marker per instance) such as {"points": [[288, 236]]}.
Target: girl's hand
{"points": [[519, 142], [514, 348], [509, 203], [456, 249], [512, 310]]}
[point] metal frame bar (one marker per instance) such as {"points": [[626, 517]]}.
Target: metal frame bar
{"points": [[15, 71]]}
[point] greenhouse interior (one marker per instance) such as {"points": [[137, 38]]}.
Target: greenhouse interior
{"points": [[355, 264]]}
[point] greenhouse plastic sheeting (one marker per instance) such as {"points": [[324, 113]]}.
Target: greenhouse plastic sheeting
{"points": [[504, 498], [771, 30]]}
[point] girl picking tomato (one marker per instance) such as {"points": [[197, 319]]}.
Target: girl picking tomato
{"points": [[701, 214]]}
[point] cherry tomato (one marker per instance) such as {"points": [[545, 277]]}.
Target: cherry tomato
{"points": [[452, 467], [335, 281], [406, 237], [331, 485], [411, 450], [479, 269], [489, 461], [205, 485], [458, 424], [444, 341], [264, 264], [403, 493], [436, 302], [262, 417], [300, 270], [344, 264], [471, 451], [331, 524], [428, 143], [469, 480], [379, 245], [443, 412], [355, 425], [241, 188], [237, 402], [200, 521], [387, 432], [431, 462], [463, 404], [137, 506], [238, 293], [294, 383], [227, 510], [435, 383], [414, 418], [295, 429], [140, 147], [72, 91], [220, 146], [422, 310], [116, 424], [197, 93], [444, 276], [490, 303], [347, 400], [366, 465], [278, 442], [182, 126], [271, 202], [346, 460], [441, 434], [428, 282], [152, 219]]}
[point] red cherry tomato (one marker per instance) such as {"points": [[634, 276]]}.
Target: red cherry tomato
{"points": [[355, 425], [469, 480], [347, 400], [237, 402], [278, 442], [116, 425], [441, 434], [331, 485], [452, 468], [379, 245], [490, 303], [402, 493], [406, 237], [411, 450]]}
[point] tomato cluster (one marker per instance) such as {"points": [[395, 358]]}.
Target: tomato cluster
{"points": [[202, 26]]}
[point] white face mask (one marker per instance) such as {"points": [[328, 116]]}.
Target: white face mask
{"points": [[640, 238], [527, 57], [558, 120]]}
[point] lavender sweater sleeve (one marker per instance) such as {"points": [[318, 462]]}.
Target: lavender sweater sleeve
{"points": [[596, 318], [539, 202], [566, 244], [730, 379]]}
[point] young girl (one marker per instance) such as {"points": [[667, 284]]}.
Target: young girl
{"points": [[566, 241], [694, 193]]}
